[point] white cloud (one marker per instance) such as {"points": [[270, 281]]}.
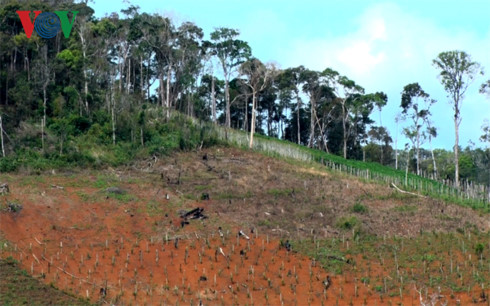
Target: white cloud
{"points": [[359, 58]]}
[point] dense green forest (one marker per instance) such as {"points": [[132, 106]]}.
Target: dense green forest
{"points": [[108, 92]]}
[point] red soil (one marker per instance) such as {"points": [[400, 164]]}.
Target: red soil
{"points": [[82, 247]]}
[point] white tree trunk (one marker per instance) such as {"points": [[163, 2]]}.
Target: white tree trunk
{"points": [[245, 120], [162, 96], [213, 99], [298, 101], [85, 89], [85, 82], [141, 78], [113, 116], [252, 128], [45, 85], [433, 158], [227, 97], [42, 134], [312, 122], [456, 151], [344, 127], [406, 168], [418, 151], [44, 114], [168, 90], [128, 77]]}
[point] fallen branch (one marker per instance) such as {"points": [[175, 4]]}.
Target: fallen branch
{"points": [[403, 191], [333, 257], [280, 230]]}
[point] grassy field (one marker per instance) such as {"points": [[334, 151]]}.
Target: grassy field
{"points": [[18, 287]]}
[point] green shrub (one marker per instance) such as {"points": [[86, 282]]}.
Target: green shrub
{"points": [[359, 208], [479, 248], [8, 164], [347, 222]]}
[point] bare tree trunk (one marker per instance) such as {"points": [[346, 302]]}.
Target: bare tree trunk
{"points": [[433, 158], [344, 130], [85, 90], [142, 138], [42, 133], [85, 82], [162, 96], [113, 123], [45, 85], [113, 115], [141, 78], [252, 127], [418, 152], [227, 98], [213, 99], [134, 78], [312, 122], [245, 120], [188, 105], [1, 136], [128, 77], [45, 99], [168, 91], [456, 150], [148, 80], [298, 103], [406, 168], [121, 69]]}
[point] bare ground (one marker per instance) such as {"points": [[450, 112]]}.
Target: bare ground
{"points": [[73, 233]]}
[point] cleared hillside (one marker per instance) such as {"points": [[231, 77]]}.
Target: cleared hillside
{"points": [[376, 245], [301, 198]]}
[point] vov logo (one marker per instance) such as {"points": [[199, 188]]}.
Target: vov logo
{"points": [[47, 25]]}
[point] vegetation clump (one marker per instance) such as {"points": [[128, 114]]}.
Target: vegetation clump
{"points": [[359, 208], [347, 222]]}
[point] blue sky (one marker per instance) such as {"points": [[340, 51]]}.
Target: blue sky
{"points": [[382, 45]]}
